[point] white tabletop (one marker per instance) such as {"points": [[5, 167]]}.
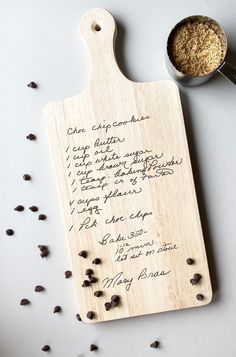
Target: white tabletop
{"points": [[40, 41]]}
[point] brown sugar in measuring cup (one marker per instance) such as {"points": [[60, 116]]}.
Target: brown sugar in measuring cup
{"points": [[196, 50]]}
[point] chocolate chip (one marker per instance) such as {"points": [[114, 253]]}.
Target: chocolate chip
{"points": [[32, 85], [26, 177], [68, 274], [19, 208], [85, 283], [115, 298], [45, 348], [98, 293], [42, 248], [31, 137], [199, 297], [193, 281], [90, 315], [190, 261], [96, 261], [57, 309], [44, 253], [33, 208], [92, 279], [39, 288], [93, 347], [42, 217], [197, 276], [115, 303], [83, 254], [24, 302], [155, 344], [108, 306], [78, 317], [89, 272], [9, 232]]}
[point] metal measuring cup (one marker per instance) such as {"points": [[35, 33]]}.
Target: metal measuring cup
{"points": [[224, 68]]}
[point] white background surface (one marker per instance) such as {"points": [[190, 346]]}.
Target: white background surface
{"points": [[40, 41]]}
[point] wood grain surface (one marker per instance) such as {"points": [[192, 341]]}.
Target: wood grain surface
{"points": [[126, 187]]}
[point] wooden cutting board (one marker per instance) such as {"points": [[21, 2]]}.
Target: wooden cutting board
{"points": [[126, 187]]}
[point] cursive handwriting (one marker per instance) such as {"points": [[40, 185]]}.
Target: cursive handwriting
{"points": [[71, 131], [117, 193], [107, 239], [88, 223], [107, 126], [108, 141], [95, 209], [140, 214], [146, 275], [104, 166], [119, 278]]}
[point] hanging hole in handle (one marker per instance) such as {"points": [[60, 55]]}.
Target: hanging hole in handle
{"points": [[96, 28]]}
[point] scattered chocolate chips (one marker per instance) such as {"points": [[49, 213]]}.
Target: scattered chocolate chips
{"points": [[57, 309], [108, 306], [26, 177], [19, 208], [83, 254], [24, 302], [98, 293], [89, 272], [39, 288], [96, 261], [9, 232], [92, 279], [190, 261], [78, 317], [42, 217], [93, 347], [32, 85], [31, 137], [45, 348], [155, 344], [85, 283], [90, 315], [68, 274], [199, 297], [33, 208]]}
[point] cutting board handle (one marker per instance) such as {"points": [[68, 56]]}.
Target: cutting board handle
{"points": [[98, 28]]}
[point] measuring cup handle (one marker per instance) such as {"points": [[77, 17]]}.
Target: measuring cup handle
{"points": [[228, 71]]}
